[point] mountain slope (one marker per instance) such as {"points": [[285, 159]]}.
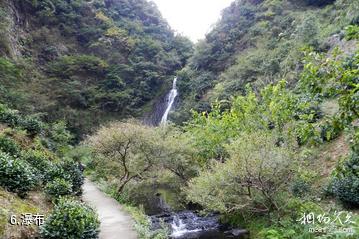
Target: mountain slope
{"points": [[89, 60], [259, 42]]}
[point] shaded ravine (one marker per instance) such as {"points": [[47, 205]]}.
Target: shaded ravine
{"points": [[115, 223]]}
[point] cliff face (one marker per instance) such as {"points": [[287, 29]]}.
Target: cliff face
{"points": [[89, 60], [12, 28]]}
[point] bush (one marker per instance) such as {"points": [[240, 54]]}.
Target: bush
{"points": [[251, 180], [37, 159], [55, 171], [345, 184], [354, 139], [68, 171], [346, 189], [352, 32], [10, 117], [9, 146], [59, 136], [300, 187], [331, 129], [75, 176], [71, 219], [16, 175], [14, 119], [59, 187], [32, 125]]}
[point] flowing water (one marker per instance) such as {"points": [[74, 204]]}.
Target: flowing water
{"points": [[165, 209], [170, 100], [190, 225]]}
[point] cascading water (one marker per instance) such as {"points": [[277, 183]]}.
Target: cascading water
{"points": [[178, 227], [170, 100], [190, 225]]}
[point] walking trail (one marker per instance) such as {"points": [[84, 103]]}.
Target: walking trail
{"points": [[115, 223]]}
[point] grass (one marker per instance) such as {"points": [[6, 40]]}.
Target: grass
{"points": [[10, 204]]}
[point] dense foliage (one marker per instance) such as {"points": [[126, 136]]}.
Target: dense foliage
{"points": [[250, 180], [71, 219], [260, 158], [33, 162], [132, 151], [268, 105], [16, 175], [57, 188], [260, 42], [92, 60]]}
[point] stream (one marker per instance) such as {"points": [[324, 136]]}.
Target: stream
{"points": [[167, 210], [190, 225]]}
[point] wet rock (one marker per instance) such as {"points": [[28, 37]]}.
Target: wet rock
{"points": [[237, 232]]}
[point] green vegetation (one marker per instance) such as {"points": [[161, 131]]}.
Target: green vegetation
{"points": [[33, 163], [16, 175], [260, 42], [257, 158], [266, 131], [143, 225], [132, 151], [9, 146], [96, 61], [250, 180], [58, 187], [345, 184], [71, 219]]}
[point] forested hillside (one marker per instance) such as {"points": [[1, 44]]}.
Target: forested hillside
{"points": [[265, 133], [89, 60], [260, 42], [263, 141]]}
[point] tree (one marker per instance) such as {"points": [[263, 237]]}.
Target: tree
{"points": [[134, 148], [251, 180], [180, 155]]}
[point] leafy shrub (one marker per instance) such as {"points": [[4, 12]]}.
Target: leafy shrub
{"points": [[32, 125], [75, 176], [251, 180], [59, 187], [300, 187], [37, 159], [331, 129], [307, 134], [354, 139], [352, 32], [143, 225], [10, 117], [16, 175], [68, 171], [345, 184], [14, 119], [346, 189], [55, 171], [59, 135], [71, 219], [9, 146]]}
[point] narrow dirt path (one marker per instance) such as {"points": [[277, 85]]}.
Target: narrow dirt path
{"points": [[115, 223]]}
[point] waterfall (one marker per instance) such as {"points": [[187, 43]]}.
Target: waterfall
{"points": [[178, 227], [170, 100]]}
